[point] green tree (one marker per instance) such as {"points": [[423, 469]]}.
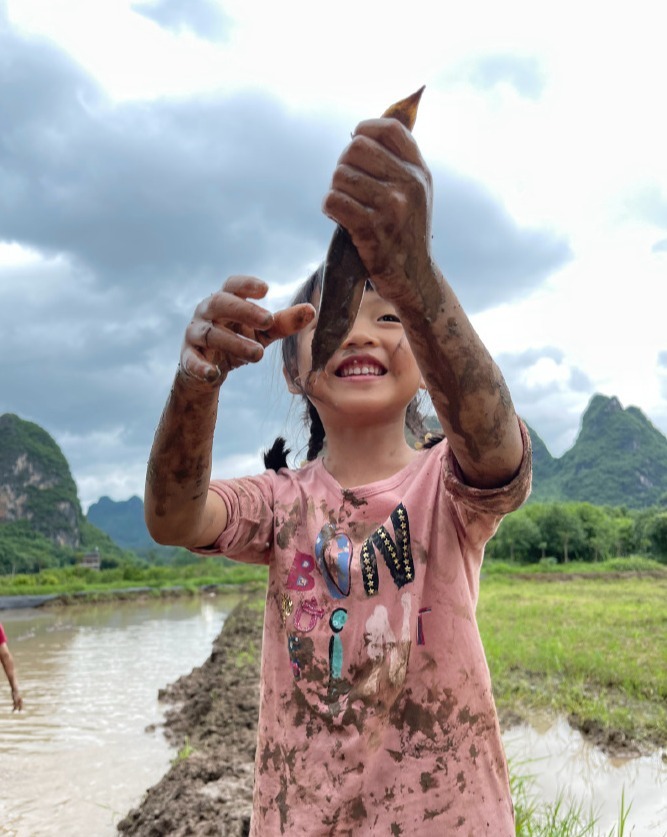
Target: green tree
{"points": [[517, 539], [624, 533], [598, 532], [657, 533], [563, 531]]}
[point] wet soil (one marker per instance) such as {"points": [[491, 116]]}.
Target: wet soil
{"points": [[212, 719]]}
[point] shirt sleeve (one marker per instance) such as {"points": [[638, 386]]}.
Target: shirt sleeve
{"points": [[248, 536], [480, 510]]}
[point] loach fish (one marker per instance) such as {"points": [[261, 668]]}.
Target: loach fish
{"points": [[345, 275]]}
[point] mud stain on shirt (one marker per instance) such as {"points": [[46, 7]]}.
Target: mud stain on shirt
{"points": [[287, 527], [350, 497]]}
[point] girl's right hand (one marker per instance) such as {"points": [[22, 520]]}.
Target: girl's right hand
{"points": [[228, 330], [382, 194]]}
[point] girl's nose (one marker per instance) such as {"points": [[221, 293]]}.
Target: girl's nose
{"points": [[361, 333]]}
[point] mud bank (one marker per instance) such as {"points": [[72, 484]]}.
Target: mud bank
{"points": [[212, 719]]}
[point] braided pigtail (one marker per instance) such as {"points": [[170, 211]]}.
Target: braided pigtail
{"points": [[316, 439], [275, 457]]}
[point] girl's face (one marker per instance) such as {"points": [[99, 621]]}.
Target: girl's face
{"points": [[373, 375]]}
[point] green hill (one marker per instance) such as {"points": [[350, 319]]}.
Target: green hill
{"points": [[545, 467], [41, 522], [618, 459], [36, 484], [123, 521]]}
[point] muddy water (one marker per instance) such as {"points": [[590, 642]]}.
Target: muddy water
{"points": [[564, 766], [79, 757]]}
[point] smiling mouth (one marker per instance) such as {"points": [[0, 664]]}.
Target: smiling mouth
{"points": [[357, 368]]}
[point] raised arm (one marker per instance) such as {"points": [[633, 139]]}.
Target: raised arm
{"points": [[467, 388], [382, 194], [228, 329]]}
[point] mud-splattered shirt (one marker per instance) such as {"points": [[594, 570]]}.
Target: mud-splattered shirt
{"points": [[376, 713]]}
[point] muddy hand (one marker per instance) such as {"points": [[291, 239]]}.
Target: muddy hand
{"points": [[382, 194], [345, 271], [229, 329]]}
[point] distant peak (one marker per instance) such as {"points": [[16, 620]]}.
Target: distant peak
{"points": [[601, 405]]}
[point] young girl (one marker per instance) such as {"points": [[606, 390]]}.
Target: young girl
{"points": [[376, 712]]}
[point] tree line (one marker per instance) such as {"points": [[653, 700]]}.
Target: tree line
{"points": [[579, 531], [23, 549], [558, 531]]}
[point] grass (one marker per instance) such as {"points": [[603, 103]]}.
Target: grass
{"points": [[557, 819], [593, 649], [628, 564], [249, 656], [185, 752], [73, 581]]}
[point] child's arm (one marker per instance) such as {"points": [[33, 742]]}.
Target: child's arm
{"points": [[8, 664], [227, 330], [381, 193]]}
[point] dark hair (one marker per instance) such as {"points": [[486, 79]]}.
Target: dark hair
{"points": [[276, 456]]}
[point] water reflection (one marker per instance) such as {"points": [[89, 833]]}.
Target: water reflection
{"points": [[79, 757], [563, 764]]}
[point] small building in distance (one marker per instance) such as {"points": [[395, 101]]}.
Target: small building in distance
{"points": [[92, 560]]}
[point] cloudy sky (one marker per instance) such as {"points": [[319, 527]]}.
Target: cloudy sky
{"points": [[150, 149]]}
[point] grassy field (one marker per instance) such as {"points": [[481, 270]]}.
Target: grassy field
{"points": [[587, 641], [97, 584], [594, 649]]}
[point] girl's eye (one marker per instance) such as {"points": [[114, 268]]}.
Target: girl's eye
{"points": [[389, 318]]}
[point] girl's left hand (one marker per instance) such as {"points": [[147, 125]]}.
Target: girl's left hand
{"points": [[381, 193], [229, 329]]}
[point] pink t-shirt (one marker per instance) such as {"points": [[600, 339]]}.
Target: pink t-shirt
{"points": [[376, 711]]}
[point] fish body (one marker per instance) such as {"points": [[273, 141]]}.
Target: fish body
{"points": [[345, 275]]}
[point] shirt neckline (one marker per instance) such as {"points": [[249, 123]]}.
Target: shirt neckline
{"points": [[371, 488]]}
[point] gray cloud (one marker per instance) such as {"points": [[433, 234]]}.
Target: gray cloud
{"points": [[143, 187], [487, 257], [203, 17], [580, 381], [524, 73], [138, 210], [529, 357], [553, 408]]}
